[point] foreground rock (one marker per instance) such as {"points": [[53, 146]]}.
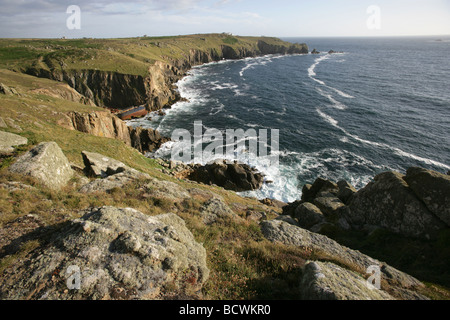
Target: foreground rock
{"points": [[433, 188], [47, 163], [4, 89], [288, 234], [413, 205], [389, 202], [327, 281], [215, 209], [112, 173], [8, 142], [120, 254], [231, 176], [100, 166]]}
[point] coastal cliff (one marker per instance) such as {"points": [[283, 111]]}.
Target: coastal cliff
{"points": [[146, 77], [105, 124], [75, 191]]}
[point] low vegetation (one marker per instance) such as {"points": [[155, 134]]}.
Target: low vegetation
{"points": [[243, 264]]}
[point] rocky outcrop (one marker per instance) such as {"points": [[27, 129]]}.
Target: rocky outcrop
{"points": [[390, 203], [111, 173], [105, 124], [8, 142], [228, 175], [111, 89], [165, 189], [266, 48], [99, 166], [215, 209], [327, 281], [64, 91], [346, 191], [321, 185], [433, 189], [415, 205], [98, 123], [289, 234], [4, 89], [232, 176], [113, 254], [146, 140], [47, 163], [308, 215]]}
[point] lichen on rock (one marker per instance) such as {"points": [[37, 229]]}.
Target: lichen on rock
{"points": [[115, 249]]}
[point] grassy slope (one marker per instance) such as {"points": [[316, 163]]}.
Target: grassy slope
{"points": [[126, 55], [243, 264], [239, 258]]}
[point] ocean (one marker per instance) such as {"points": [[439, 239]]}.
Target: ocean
{"points": [[379, 104]]}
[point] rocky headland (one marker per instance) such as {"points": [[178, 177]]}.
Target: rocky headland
{"points": [[85, 215]]}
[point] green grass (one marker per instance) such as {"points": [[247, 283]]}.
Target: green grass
{"points": [[126, 55], [230, 40], [243, 264], [18, 53]]}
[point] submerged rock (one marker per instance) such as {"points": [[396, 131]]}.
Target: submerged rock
{"points": [[118, 254], [47, 163]]}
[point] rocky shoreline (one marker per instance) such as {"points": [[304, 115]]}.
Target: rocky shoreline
{"points": [[174, 231], [124, 251]]}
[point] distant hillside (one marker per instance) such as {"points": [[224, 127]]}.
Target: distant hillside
{"points": [[120, 73]]}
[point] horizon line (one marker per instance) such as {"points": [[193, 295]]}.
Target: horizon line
{"points": [[261, 36]]}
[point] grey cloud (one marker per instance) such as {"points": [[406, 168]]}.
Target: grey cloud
{"points": [[33, 7]]}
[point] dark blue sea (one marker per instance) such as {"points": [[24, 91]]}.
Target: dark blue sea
{"points": [[381, 104]]}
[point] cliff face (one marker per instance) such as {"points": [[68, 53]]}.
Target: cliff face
{"points": [[105, 124], [109, 89], [156, 90]]}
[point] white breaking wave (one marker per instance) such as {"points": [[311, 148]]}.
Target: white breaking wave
{"points": [[342, 94], [286, 185], [312, 74], [217, 110], [216, 85], [259, 61], [335, 104], [396, 150], [312, 69]]}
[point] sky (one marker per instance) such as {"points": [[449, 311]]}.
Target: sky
{"points": [[281, 18]]}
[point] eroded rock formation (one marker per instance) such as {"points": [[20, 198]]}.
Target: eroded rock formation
{"points": [[118, 254], [105, 124]]}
